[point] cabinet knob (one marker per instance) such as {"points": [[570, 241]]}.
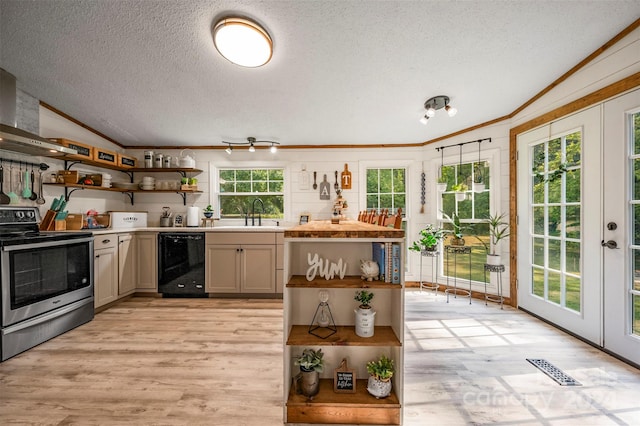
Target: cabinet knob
{"points": [[106, 241], [97, 256]]}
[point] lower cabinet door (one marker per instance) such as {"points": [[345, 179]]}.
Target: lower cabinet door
{"points": [[258, 269], [106, 276], [223, 268]]}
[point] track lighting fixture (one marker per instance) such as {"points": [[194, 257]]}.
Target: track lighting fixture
{"points": [[252, 142], [434, 104]]}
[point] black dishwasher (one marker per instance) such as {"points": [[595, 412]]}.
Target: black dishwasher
{"points": [[181, 264]]}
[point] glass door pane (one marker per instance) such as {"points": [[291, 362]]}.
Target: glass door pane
{"points": [[556, 220]]}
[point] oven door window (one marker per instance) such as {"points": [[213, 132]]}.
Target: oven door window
{"points": [[41, 273]]}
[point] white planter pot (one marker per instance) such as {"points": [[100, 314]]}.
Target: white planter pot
{"points": [[494, 259], [442, 187], [365, 319], [461, 196], [379, 388], [478, 187]]}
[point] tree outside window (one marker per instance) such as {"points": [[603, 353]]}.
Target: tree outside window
{"points": [[238, 188]]}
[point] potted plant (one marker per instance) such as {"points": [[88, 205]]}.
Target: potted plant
{"points": [[498, 230], [478, 179], [311, 364], [380, 373], [457, 239], [461, 191], [442, 184], [430, 236], [208, 211], [365, 315]]}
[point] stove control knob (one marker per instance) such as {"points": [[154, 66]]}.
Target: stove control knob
{"points": [[30, 214], [20, 214]]}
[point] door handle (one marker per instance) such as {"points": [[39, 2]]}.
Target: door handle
{"points": [[610, 244]]}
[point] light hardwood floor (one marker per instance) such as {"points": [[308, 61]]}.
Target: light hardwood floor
{"points": [[151, 361]]}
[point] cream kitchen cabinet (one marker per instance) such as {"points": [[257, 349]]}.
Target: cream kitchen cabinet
{"points": [[146, 254], [105, 261], [126, 264], [238, 262]]}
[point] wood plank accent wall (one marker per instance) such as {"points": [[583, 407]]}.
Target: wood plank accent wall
{"points": [[627, 84]]}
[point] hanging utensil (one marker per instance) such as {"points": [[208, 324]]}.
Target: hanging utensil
{"points": [[40, 199], [315, 185], [4, 198], [336, 186], [26, 190], [33, 195], [12, 195]]}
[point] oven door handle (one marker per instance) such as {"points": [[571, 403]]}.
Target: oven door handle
{"points": [[47, 244]]}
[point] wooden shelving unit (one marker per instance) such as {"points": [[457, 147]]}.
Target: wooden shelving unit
{"points": [[69, 188], [349, 241]]}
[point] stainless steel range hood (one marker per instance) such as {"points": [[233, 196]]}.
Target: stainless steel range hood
{"points": [[18, 140]]}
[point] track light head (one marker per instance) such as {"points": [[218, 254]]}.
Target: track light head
{"points": [[273, 148], [229, 150], [451, 110], [424, 120], [252, 148]]}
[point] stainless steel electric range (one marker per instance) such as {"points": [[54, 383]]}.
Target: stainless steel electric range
{"points": [[46, 280]]}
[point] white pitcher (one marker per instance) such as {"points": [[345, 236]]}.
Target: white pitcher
{"points": [[365, 319]]}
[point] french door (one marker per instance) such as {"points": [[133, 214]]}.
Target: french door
{"points": [[559, 223], [622, 226]]}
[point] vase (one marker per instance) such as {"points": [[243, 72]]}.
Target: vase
{"points": [[379, 388], [365, 319], [478, 187], [461, 196], [307, 383], [442, 186], [494, 259]]}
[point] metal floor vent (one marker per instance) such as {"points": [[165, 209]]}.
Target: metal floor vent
{"points": [[554, 372]]}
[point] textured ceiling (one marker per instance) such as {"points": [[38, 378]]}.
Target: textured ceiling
{"points": [[343, 72]]}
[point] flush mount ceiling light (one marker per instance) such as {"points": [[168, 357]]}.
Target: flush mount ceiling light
{"points": [[434, 104], [242, 42], [252, 142]]}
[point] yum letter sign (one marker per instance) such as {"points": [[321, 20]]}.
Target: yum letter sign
{"points": [[324, 268]]}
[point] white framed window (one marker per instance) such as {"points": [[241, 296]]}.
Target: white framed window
{"points": [[238, 187]]}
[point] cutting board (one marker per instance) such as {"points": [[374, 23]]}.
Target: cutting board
{"points": [[325, 189], [345, 178]]}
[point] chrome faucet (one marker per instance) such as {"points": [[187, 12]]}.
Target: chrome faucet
{"points": [[253, 212]]}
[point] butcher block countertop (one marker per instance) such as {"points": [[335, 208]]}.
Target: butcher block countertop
{"points": [[345, 229]]}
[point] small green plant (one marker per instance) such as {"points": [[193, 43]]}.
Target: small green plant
{"points": [[442, 179], [455, 222], [364, 297], [460, 187], [498, 230], [382, 369], [430, 236], [208, 208], [311, 360], [184, 180], [193, 181]]}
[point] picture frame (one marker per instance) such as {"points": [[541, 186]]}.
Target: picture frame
{"points": [[344, 379], [304, 218]]}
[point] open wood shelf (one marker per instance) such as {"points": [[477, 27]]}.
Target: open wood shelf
{"points": [[102, 188], [345, 336], [352, 281], [329, 407]]}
